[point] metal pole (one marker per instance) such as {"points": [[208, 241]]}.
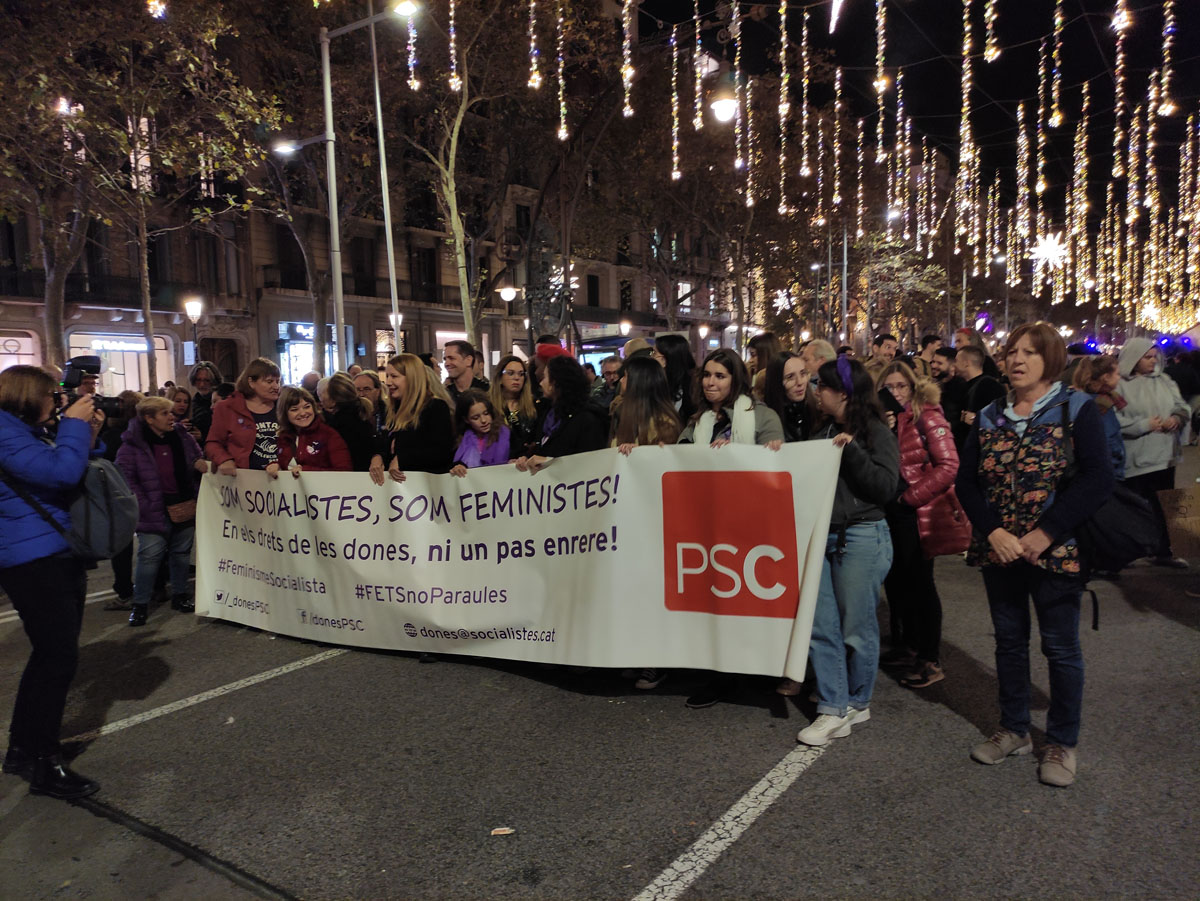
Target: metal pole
{"points": [[845, 274], [335, 237], [963, 322], [383, 178]]}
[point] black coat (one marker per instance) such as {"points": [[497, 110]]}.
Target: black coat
{"points": [[359, 435], [428, 447], [585, 430]]}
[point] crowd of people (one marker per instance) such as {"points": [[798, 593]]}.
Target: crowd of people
{"points": [[945, 451]]}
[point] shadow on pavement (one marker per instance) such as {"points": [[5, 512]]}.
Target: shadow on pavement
{"points": [[1161, 591], [111, 671]]}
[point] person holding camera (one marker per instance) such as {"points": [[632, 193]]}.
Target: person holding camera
{"points": [[162, 464], [45, 582]]}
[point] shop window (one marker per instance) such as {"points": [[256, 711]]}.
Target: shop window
{"points": [[18, 348], [124, 359]]}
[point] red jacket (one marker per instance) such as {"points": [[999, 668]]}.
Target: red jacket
{"points": [[316, 449], [928, 459], [232, 433]]}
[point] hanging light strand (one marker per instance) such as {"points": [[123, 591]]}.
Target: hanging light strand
{"points": [[1166, 106], [1120, 23], [881, 79], [675, 173], [806, 73], [697, 71], [561, 60], [837, 137], [627, 13], [1056, 114], [785, 106], [739, 159], [860, 194], [964, 188], [991, 46], [535, 71], [413, 82], [751, 149], [455, 79]]}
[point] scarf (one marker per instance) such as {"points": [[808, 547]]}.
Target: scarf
{"points": [[742, 431], [183, 475]]}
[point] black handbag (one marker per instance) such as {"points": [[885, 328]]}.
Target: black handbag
{"points": [[1124, 529]]}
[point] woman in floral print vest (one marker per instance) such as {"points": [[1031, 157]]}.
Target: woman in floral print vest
{"points": [[1010, 482]]}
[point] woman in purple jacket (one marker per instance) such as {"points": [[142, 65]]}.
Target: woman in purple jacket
{"points": [[162, 464]]}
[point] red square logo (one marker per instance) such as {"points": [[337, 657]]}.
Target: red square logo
{"points": [[729, 543]]}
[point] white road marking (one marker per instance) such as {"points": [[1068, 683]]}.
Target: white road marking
{"points": [[138, 719], [690, 866]]}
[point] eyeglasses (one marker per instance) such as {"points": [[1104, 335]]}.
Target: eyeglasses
{"points": [[514, 373]]}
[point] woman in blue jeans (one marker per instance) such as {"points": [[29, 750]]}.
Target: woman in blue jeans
{"points": [[844, 650], [162, 464], [1010, 482]]}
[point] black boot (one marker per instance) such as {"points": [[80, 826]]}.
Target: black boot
{"points": [[183, 603], [138, 616], [17, 762], [51, 777]]}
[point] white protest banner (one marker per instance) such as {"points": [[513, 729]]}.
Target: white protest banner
{"points": [[670, 557]]}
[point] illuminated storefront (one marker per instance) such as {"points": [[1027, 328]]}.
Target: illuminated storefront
{"points": [[124, 358]]}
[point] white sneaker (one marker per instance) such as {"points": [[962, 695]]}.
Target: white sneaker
{"points": [[823, 728], [858, 716]]}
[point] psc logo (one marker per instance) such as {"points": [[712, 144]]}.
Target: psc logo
{"points": [[729, 543]]}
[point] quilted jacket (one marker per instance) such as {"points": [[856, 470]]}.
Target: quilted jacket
{"points": [[928, 458]]}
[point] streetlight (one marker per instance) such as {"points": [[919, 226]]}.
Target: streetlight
{"points": [[404, 8], [626, 325], [194, 307], [703, 331], [508, 294]]}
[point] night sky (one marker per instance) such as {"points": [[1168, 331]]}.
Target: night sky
{"points": [[925, 37]]}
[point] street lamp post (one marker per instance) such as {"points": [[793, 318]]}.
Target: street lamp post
{"points": [[335, 238], [194, 307]]}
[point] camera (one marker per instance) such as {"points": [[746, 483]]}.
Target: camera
{"points": [[73, 374]]}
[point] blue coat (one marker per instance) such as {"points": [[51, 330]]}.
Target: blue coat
{"points": [[46, 472]]}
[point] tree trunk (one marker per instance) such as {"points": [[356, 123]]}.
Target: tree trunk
{"points": [[62, 238], [143, 241], [459, 233], [739, 297], [55, 299]]}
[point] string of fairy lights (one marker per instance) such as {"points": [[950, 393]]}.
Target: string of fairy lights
{"points": [[1138, 254]]}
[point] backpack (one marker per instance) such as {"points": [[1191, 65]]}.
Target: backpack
{"points": [[103, 511]]}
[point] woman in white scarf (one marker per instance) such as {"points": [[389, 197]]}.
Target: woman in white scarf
{"points": [[727, 414]]}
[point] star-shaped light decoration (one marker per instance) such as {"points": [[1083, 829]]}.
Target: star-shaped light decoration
{"points": [[1050, 251]]}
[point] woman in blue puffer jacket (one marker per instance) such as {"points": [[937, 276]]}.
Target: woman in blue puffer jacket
{"points": [[45, 583]]}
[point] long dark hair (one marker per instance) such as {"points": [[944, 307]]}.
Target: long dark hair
{"points": [[862, 403], [739, 379], [289, 397], [570, 385], [645, 412], [677, 353], [775, 395], [462, 414]]}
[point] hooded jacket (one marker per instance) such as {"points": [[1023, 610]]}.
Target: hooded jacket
{"points": [[1148, 396]]}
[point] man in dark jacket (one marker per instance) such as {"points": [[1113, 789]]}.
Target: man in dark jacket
{"points": [[204, 378], [979, 391]]}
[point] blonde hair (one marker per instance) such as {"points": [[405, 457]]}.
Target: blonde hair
{"points": [[153, 405], [525, 405], [418, 391]]}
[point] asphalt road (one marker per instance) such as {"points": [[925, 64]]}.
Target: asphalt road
{"points": [[370, 775]]}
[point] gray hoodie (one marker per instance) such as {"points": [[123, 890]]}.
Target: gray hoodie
{"points": [[1146, 397]]}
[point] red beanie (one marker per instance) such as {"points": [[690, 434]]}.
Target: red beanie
{"points": [[546, 352]]}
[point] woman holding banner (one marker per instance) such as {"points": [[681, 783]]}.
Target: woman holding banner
{"points": [[726, 413], [571, 423], [420, 429], [244, 427], [844, 651]]}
